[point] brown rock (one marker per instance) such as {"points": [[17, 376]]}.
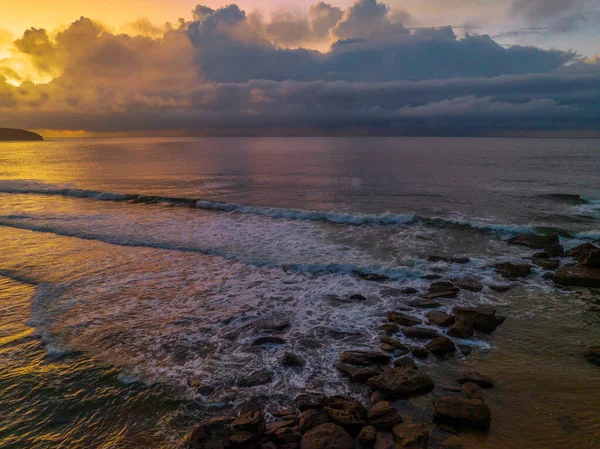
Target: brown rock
{"points": [[592, 355], [477, 378], [580, 252], [419, 352], [383, 416], [420, 332], [376, 396], [406, 362], [409, 291], [211, 433], [462, 328], [401, 382], [547, 264], [483, 319], [513, 270], [578, 276], [424, 303], [555, 251], [592, 260], [290, 359], [403, 319], [364, 358], [535, 241], [384, 440], [255, 379], [327, 436], [499, 288], [311, 418], [359, 373], [441, 346], [411, 436], [438, 318], [389, 328], [249, 426], [472, 390], [268, 341], [469, 283], [399, 346], [346, 411], [308, 401], [367, 435], [464, 412], [442, 289]]}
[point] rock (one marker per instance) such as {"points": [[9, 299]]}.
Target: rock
{"points": [[555, 251], [389, 328], [469, 283], [307, 401], [268, 341], [464, 412], [401, 382], [255, 379], [458, 260], [438, 318], [327, 436], [18, 135], [400, 347], [283, 432], [513, 270], [403, 319], [420, 332], [431, 277], [371, 276], [386, 348], [367, 435], [464, 349], [419, 352], [548, 275], [211, 433], [535, 241], [248, 427], [364, 358], [477, 378], [311, 418], [580, 252], [547, 264], [462, 328], [425, 303], [383, 416], [499, 288], [358, 297], [441, 346], [346, 411], [384, 440], [592, 260], [442, 289], [541, 255], [451, 388], [376, 396], [411, 436], [406, 362], [409, 291], [483, 319], [592, 355], [578, 276], [472, 390], [285, 413], [290, 359], [359, 373]]}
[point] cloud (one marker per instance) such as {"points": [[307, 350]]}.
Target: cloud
{"points": [[222, 70], [557, 16]]}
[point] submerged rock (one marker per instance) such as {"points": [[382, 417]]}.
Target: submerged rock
{"points": [[499, 288], [409, 291], [442, 289], [458, 260], [420, 332], [405, 362], [438, 318], [547, 264], [257, 378], [371, 276], [592, 355], [383, 416], [441, 346], [389, 328], [477, 378], [290, 359], [401, 382], [268, 341], [364, 358], [469, 283], [403, 319], [578, 276], [535, 241], [359, 373], [464, 412], [472, 390], [425, 303], [513, 270], [327, 436]]}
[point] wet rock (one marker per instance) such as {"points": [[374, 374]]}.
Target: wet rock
{"points": [[398, 346], [248, 427], [371, 276], [384, 440], [462, 328], [358, 297], [442, 289], [463, 412], [580, 252], [513, 270], [469, 283], [541, 255], [383, 416], [367, 435], [425, 303], [555, 251], [376, 396], [441, 346], [364, 358], [268, 341], [535, 241], [200, 387], [592, 260], [499, 288], [451, 388], [438, 318], [431, 277], [327, 436], [346, 411], [401, 382], [472, 390], [386, 348], [311, 418], [290, 359], [286, 413], [411, 436], [592, 355], [359, 373], [578, 276], [477, 378], [420, 332], [464, 349], [406, 362], [419, 352], [389, 328], [548, 275], [212, 433], [547, 264], [403, 319], [307, 401], [458, 260], [483, 319], [255, 379], [409, 291]]}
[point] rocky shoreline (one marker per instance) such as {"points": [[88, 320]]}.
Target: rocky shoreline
{"points": [[392, 374]]}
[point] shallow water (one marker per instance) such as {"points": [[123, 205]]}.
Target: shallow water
{"points": [[134, 265]]}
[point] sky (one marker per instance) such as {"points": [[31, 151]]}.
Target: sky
{"points": [[438, 67]]}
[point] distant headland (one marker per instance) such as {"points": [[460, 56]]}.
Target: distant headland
{"points": [[8, 134]]}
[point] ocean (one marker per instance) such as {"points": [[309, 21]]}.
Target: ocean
{"points": [[134, 270]]}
